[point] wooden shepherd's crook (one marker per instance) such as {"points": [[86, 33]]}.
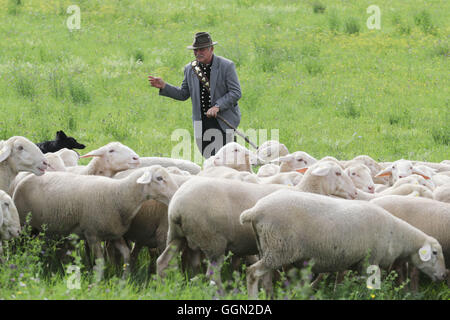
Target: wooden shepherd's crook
{"points": [[237, 131]]}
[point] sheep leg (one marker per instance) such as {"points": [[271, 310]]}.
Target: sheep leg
{"points": [[111, 253], [154, 254], [172, 249], [267, 284], [94, 244], [414, 279], [235, 263], [448, 278], [1, 252], [121, 245], [87, 255], [316, 281], [254, 273], [135, 254], [214, 271], [191, 260]]}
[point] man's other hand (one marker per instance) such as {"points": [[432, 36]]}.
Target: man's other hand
{"points": [[156, 82], [212, 112]]}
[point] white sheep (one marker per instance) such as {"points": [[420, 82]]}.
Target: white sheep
{"points": [[268, 170], [108, 160], [415, 179], [229, 173], [294, 161], [287, 178], [150, 225], [232, 155], [400, 169], [204, 213], [430, 216], [94, 207], [439, 167], [19, 154], [271, 150], [373, 165], [429, 172], [9, 220], [361, 177], [441, 178], [178, 171], [185, 165], [55, 162], [442, 193], [412, 179], [293, 227], [69, 156], [446, 162], [406, 189]]}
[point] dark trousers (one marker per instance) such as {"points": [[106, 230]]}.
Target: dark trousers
{"points": [[212, 123]]}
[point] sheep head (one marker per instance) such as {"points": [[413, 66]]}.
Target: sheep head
{"points": [[328, 178], [430, 260], [400, 169], [361, 177], [9, 218], [159, 185], [115, 157], [23, 155]]}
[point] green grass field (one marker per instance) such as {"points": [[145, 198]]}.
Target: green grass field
{"points": [[311, 69]]}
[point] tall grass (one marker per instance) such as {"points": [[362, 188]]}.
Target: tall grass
{"points": [[310, 69]]}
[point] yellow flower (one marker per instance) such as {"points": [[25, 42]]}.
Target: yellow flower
{"points": [[372, 296]]}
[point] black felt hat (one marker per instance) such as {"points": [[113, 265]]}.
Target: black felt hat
{"points": [[202, 40]]}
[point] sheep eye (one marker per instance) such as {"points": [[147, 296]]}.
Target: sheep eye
{"points": [[6, 204], [434, 252], [338, 173], [159, 178], [353, 174], [20, 148], [110, 151]]}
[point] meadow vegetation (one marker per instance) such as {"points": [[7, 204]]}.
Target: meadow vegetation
{"points": [[311, 69]]}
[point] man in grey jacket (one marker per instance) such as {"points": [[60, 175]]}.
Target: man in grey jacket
{"points": [[212, 83]]}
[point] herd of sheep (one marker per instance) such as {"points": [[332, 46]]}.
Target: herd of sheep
{"points": [[294, 209]]}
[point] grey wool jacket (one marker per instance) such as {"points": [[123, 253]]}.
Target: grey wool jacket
{"points": [[225, 92]]}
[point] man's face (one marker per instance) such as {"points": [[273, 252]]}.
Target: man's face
{"points": [[204, 55]]}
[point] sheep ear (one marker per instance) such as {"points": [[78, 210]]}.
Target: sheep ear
{"points": [[94, 153], [286, 158], [255, 160], [145, 178], [321, 171], [384, 173], [425, 253], [420, 173], [302, 170], [5, 152], [425, 177]]}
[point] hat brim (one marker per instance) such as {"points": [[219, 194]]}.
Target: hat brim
{"points": [[203, 46]]}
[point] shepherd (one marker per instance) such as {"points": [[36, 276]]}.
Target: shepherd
{"points": [[212, 84]]}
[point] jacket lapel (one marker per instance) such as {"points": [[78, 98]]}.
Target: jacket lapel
{"points": [[195, 94], [213, 76]]}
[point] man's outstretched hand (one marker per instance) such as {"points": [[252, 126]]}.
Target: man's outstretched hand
{"points": [[156, 82]]}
